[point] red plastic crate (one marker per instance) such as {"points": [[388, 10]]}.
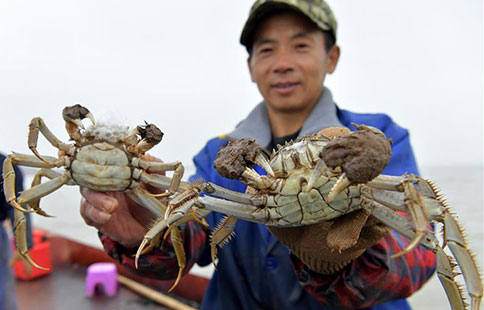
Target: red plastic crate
{"points": [[40, 254]]}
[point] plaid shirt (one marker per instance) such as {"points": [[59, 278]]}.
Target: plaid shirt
{"points": [[161, 262], [373, 277]]}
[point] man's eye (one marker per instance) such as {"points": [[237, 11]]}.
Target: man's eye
{"points": [[301, 46], [265, 50]]}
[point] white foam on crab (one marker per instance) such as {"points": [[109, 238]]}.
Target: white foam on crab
{"points": [[108, 129]]}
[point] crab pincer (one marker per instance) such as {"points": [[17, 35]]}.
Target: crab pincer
{"points": [[362, 156]]}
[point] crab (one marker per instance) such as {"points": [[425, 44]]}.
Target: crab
{"points": [[319, 178], [102, 158]]}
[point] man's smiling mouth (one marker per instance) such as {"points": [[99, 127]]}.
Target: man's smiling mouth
{"points": [[284, 88], [284, 85]]}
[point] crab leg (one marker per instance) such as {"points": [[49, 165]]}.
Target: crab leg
{"points": [[395, 221], [195, 189], [424, 196], [20, 228], [393, 183], [458, 246], [32, 194], [9, 185], [222, 234], [177, 241], [9, 176], [156, 180], [181, 203], [161, 224], [43, 189], [156, 207], [186, 201], [446, 275], [142, 197], [19, 159], [177, 167], [179, 206], [36, 125], [48, 173], [242, 211], [150, 239], [414, 203], [221, 192]]}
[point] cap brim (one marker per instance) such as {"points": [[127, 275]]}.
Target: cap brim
{"points": [[255, 17]]}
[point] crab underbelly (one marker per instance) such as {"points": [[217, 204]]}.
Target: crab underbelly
{"points": [[303, 208], [102, 167]]}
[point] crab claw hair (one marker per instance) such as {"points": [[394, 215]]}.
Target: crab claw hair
{"points": [[76, 113]]}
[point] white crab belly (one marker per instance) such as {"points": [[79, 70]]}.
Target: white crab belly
{"points": [[102, 167], [296, 207]]}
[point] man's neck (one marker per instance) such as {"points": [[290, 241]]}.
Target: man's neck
{"points": [[284, 123]]}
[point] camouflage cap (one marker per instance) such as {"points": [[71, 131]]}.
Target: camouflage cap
{"points": [[317, 11]]}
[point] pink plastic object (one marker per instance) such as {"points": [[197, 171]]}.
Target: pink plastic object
{"points": [[104, 274]]}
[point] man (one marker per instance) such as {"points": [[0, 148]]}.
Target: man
{"points": [[291, 47]]}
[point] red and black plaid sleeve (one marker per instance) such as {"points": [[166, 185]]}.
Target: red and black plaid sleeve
{"points": [[372, 278], [161, 263]]}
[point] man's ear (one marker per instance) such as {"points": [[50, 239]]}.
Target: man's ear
{"points": [[249, 65], [333, 56]]}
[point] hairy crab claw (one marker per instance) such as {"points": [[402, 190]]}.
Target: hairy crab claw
{"points": [[150, 136], [76, 113], [361, 155], [239, 156]]}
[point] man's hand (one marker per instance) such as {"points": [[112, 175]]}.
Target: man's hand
{"points": [[116, 215]]}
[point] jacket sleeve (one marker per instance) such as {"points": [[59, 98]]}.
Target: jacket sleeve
{"points": [[161, 262], [372, 278], [375, 277]]}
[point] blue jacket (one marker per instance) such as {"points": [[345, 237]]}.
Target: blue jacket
{"points": [[254, 270]]}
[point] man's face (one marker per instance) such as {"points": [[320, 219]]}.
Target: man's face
{"points": [[289, 62]]}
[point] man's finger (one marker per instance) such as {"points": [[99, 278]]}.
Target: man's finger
{"points": [[101, 201], [83, 212], [150, 157], [93, 216]]}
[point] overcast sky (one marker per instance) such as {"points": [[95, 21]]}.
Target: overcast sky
{"points": [[179, 65]]}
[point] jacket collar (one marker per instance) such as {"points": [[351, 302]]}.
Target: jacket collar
{"points": [[257, 126]]}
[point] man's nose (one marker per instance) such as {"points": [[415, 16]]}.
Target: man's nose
{"points": [[283, 63]]}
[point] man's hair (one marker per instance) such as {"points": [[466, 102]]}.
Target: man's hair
{"points": [[329, 39]]}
